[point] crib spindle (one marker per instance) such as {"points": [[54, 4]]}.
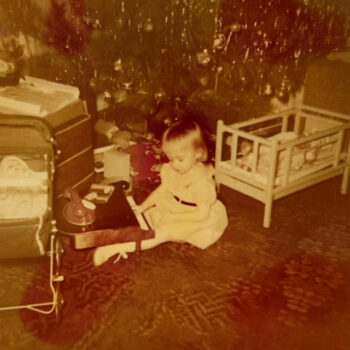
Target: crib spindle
{"points": [[218, 145], [270, 185], [285, 118], [345, 181], [297, 123], [218, 150], [234, 148], [340, 138], [255, 156], [288, 163]]}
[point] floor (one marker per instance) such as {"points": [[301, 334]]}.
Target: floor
{"points": [[285, 287]]}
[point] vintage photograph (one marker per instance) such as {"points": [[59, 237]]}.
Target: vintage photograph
{"points": [[174, 174]]}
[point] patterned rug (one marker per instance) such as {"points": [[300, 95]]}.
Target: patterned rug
{"points": [[286, 287]]}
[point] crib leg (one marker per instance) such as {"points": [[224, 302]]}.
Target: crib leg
{"points": [[267, 213], [345, 181]]}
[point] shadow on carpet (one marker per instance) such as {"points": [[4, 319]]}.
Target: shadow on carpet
{"points": [[281, 288]]}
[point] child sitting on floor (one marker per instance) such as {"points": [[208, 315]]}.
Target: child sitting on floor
{"points": [[184, 207]]}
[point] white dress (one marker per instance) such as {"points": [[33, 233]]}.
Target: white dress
{"points": [[197, 186]]}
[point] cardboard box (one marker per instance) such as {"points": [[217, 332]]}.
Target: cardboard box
{"points": [[116, 164]]}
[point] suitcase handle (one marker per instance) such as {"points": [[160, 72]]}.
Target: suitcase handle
{"points": [[20, 121], [56, 149]]}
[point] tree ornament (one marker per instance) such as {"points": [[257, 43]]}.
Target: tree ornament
{"points": [[167, 121], [246, 54], [118, 65], [127, 85], [281, 95], [93, 83], [120, 22], [107, 95], [96, 24], [203, 57], [203, 80], [159, 95], [283, 92], [268, 89], [219, 41], [148, 26], [235, 27]]}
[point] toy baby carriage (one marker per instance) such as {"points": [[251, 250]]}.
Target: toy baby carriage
{"points": [[27, 229]]}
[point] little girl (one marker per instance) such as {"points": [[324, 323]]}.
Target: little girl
{"points": [[184, 207]]}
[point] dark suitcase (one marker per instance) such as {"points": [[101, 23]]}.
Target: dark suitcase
{"points": [[74, 155], [26, 191]]}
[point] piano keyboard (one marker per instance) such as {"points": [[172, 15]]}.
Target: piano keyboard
{"points": [[140, 218]]}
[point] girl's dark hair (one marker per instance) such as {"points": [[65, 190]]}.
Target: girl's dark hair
{"points": [[190, 130]]}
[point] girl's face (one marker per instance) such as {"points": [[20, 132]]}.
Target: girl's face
{"points": [[182, 155]]}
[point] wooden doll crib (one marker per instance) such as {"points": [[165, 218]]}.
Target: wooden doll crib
{"points": [[273, 156]]}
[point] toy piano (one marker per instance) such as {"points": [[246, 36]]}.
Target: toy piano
{"points": [[103, 222]]}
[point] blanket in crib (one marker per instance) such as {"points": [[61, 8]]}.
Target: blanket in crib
{"points": [[23, 191], [306, 158]]}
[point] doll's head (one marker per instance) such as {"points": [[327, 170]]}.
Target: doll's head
{"points": [[184, 144]]}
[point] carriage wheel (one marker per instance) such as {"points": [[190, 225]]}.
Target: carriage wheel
{"points": [[58, 250], [59, 301], [58, 278]]}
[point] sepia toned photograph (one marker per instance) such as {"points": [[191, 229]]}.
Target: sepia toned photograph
{"points": [[174, 174]]}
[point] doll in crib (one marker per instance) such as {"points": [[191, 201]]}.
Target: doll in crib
{"points": [[184, 207]]}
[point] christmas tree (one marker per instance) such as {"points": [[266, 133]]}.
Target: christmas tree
{"points": [[228, 56]]}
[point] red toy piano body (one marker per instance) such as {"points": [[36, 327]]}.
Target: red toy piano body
{"points": [[115, 222]]}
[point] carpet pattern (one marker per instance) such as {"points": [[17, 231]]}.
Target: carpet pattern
{"points": [[286, 287]]}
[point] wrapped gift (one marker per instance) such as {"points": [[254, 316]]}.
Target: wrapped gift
{"points": [[52, 101], [116, 164], [146, 160]]}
